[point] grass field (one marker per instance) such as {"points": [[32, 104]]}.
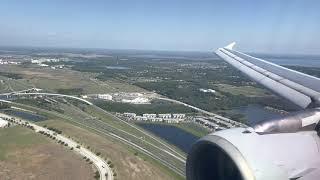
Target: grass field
{"points": [[25, 154], [189, 127], [130, 166], [128, 163], [85, 112], [51, 80], [194, 129], [108, 147], [242, 90]]}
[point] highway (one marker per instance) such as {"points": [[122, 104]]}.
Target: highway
{"points": [[219, 119], [47, 94], [168, 157], [145, 133], [100, 164], [153, 147]]}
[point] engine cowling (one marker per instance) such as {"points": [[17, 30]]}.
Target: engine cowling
{"points": [[242, 154]]}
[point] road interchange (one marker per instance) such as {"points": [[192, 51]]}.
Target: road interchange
{"points": [[157, 150]]}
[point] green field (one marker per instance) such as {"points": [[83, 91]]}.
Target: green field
{"points": [[194, 129], [249, 91], [61, 79], [189, 127]]}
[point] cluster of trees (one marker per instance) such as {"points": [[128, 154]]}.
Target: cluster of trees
{"points": [[112, 166], [26, 124], [41, 103], [87, 160], [70, 91], [156, 107], [47, 134], [97, 175], [189, 93], [55, 130], [180, 80]]}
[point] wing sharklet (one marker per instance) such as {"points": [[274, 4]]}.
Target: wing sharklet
{"points": [[230, 46]]}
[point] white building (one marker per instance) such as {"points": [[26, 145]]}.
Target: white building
{"points": [[36, 89], [155, 119], [136, 94], [3, 123], [149, 116], [140, 118], [207, 90], [104, 96], [178, 116], [172, 120], [84, 96], [43, 65], [130, 115], [138, 100], [165, 116], [206, 123], [35, 61]]}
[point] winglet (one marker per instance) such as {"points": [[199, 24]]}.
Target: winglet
{"points": [[230, 46]]}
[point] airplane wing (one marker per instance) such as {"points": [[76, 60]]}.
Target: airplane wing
{"points": [[299, 88], [283, 149]]}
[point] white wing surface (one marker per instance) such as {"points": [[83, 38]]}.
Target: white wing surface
{"points": [[299, 88]]}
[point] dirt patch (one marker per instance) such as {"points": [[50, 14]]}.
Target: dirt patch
{"points": [[44, 161]]}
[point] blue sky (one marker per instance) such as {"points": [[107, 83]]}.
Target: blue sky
{"points": [[286, 26]]}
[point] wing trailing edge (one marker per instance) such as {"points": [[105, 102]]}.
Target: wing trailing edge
{"points": [[299, 88]]}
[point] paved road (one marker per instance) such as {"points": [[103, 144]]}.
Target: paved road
{"points": [[47, 94], [228, 122], [145, 133], [157, 152], [100, 164]]}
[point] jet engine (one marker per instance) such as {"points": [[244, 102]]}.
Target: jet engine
{"points": [[250, 154]]}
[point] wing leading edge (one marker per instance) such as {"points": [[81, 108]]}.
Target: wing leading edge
{"points": [[299, 88]]}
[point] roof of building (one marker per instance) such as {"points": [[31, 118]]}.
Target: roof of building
{"points": [[3, 122]]}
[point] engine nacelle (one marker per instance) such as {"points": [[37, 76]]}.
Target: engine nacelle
{"points": [[242, 154]]}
